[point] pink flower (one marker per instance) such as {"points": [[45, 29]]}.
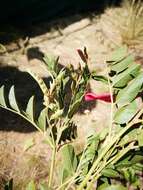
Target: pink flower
{"points": [[106, 97]]}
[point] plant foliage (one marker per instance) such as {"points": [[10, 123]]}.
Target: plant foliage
{"points": [[109, 157]]}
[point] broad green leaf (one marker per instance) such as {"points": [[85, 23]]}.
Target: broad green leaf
{"points": [[42, 120], [30, 108], [126, 113], [31, 186], [69, 161], [123, 64], [109, 172], [129, 93], [129, 137], [115, 187], [118, 54], [28, 144], [123, 78], [2, 99], [12, 100]]}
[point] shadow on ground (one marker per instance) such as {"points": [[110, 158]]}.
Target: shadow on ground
{"points": [[25, 87], [21, 27]]}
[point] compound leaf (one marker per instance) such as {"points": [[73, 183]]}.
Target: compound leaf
{"points": [[129, 93], [123, 78], [123, 64]]}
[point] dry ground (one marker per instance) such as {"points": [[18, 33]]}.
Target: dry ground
{"points": [[61, 40]]}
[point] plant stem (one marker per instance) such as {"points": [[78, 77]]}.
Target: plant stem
{"points": [[52, 167], [113, 160], [66, 182], [112, 106], [107, 148]]}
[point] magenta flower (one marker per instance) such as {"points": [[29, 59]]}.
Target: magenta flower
{"points": [[90, 96]]}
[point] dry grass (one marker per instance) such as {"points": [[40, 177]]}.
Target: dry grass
{"points": [[125, 24], [20, 165]]}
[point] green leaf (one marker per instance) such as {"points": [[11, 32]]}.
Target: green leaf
{"points": [[103, 186], [65, 174], [42, 120], [2, 99], [69, 161], [99, 78], [28, 144], [57, 114], [138, 167], [123, 78], [129, 137], [118, 54], [109, 172], [51, 64], [123, 64], [30, 108], [31, 186], [132, 159], [12, 100], [115, 187], [129, 93], [126, 113], [89, 154], [129, 175], [74, 107], [103, 134]]}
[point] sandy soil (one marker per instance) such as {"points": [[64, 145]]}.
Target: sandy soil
{"points": [[62, 39]]}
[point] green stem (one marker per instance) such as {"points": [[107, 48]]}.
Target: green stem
{"points": [[113, 160], [66, 182], [107, 148], [52, 167], [112, 107]]}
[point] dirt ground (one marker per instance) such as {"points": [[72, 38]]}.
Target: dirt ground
{"points": [[59, 39]]}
